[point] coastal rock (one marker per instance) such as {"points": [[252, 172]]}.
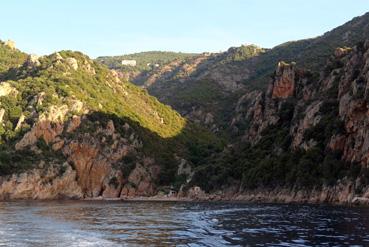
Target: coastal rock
{"points": [[50, 183], [196, 193], [141, 178], [113, 185], [91, 169]]}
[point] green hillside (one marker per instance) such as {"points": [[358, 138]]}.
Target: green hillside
{"points": [[66, 78], [143, 59], [309, 53], [10, 57]]}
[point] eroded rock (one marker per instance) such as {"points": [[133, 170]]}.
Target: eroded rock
{"points": [[284, 82]]}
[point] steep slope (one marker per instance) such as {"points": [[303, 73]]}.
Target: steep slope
{"points": [[144, 58], [205, 87], [71, 128], [228, 75], [305, 138], [309, 53], [145, 62]]}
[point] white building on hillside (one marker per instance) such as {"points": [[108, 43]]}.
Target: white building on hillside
{"points": [[129, 62]]}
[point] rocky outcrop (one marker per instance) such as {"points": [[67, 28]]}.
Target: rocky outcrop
{"points": [[284, 81], [311, 118], [339, 95], [93, 160], [95, 164], [32, 61], [354, 106], [201, 116], [2, 113], [11, 44], [6, 89], [49, 125], [342, 51], [343, 194], [72, 62], [67, 109], [20, 122], [52, 182], [140, 181], [74, 123]]}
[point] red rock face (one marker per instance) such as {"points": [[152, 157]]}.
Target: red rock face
{"points": [[49, 126], [91, 173], [284, 84], [346, 85], [337, 142], [96, 158]]}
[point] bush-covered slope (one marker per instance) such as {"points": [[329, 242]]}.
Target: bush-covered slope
{"points": [[310, 53], [310, 139], [230, 74], [145, 60], [10, 57], [65, 110]]}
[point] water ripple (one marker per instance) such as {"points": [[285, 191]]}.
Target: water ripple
{"points": [[179, 224]]}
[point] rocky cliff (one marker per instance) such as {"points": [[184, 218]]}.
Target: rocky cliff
{"points": [[338, 93], [307, 134]]}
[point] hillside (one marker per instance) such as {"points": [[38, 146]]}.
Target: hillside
{"points": [[310, 53], [239, 70], [202, 88], [71, 128], [293, 132], [145, 61], [10, 56], [284, 124], [304, 139]]}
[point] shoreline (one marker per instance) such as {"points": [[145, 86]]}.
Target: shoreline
{"points": [[199, 200], [345, 192], [243, 198]]}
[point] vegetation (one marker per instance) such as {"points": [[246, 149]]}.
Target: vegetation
{"points": [[271, 162], [10, 57], [309, 53], [145, 60], [242, 53], [162, 130]]}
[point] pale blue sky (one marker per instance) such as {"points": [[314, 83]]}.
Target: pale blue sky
{"points": [[113, 27]]}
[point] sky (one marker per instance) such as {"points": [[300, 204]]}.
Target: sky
{"points": [[115, 27]]}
